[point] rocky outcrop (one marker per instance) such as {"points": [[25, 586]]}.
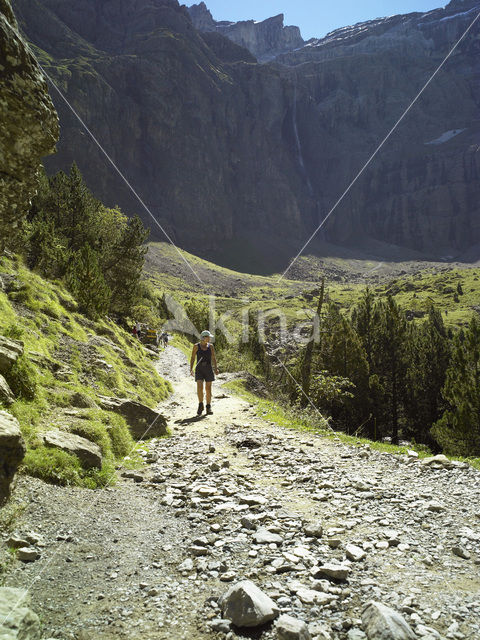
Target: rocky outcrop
{"points": [[12, 452], [266, 39], [240, 161], [143, 422], [17, 620], [10, 351], [89, 453], [6, 395], [28, 123]]}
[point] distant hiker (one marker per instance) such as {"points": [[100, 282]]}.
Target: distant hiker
{"points": [[134, 330], [204, 369], [165, 339], [138, 329]]}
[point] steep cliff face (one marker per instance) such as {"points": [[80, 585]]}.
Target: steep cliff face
{"points": [[266, 39], [28, 124], [238, 159]]}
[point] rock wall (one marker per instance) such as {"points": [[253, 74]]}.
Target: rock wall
{"points": [[28, 123], [265, 39], [239, 161]]}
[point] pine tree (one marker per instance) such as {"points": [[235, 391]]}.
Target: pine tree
{"points": [[363, 321], [86, 281], [428, 355], [458, 430], [388, 357]]}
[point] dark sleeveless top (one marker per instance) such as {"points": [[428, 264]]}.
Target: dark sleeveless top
{"points": [[204, 357]]}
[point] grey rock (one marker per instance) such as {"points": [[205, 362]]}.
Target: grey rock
{"points": [[27, 554], [314, 529], [356, 634], [289, 628], [354, 553], [143, 422], [17, 621], [263, 536], [247, 606], [333, 570], [10, 351], [220, 625], [12, 452], [6, 394], [461, 552], [383, 623], [89, 453], [437, 462]]}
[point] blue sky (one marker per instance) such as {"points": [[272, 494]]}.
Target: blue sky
{"points": [[315, 17]]}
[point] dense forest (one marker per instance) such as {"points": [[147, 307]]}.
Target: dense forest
{"points": [[374, 373]]}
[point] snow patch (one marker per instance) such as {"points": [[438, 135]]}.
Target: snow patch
{"points": [[456, 15], [445, 137]]}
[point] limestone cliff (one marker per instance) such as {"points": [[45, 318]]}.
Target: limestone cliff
{"points": [[239, 160], [28, 124], [266, 39]]}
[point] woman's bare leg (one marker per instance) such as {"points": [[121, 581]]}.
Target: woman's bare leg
{"points": [[200, 390], [208, 387]]}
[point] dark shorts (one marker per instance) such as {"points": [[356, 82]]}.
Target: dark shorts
{"points": [[204, 373]]}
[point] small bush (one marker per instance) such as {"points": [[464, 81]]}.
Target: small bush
{"points": [[53, 465], [120, 437], [95, 432], [13, 331], [22, 379]]}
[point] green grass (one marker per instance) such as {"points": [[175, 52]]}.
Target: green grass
{"points": [[43, 315], [300, 420]]}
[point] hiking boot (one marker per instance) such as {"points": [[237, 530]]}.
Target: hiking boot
{"points": [[209, 410], [200, 409]]}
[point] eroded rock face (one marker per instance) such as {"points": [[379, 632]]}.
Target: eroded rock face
{"points": [[28, 122], [232, 154], [12, 452], [143, 422], [266, 39]]}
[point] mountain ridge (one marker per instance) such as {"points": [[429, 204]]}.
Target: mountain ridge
{"points": [[228, 153]]}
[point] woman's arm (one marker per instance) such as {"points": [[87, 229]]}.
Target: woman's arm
{"points": [[192, 359], [214, 359]]}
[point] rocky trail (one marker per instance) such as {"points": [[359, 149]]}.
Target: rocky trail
{"points": [[322, 528]]}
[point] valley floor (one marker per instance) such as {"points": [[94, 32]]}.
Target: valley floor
{"points": [[231, 496]]}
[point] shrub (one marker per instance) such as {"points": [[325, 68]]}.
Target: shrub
{"points": [[22, 378], [53, 465]]}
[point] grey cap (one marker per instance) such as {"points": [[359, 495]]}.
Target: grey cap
{"points": [[206, 334]]}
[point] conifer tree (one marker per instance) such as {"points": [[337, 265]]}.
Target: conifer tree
{"points": [[458, 430], [389, 358], [86, 281]]}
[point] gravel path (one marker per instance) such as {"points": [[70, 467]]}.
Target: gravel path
{"points": [[231, 496]]}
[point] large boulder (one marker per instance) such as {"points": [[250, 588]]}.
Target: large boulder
{"points": [[90, 454], [28, 122], [10, 351], [247, 606], [6, 395], [143, 422], [12, 452], [383, 623], [17, 621]]}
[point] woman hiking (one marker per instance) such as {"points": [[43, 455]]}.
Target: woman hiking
{"points": [[204, 370]]}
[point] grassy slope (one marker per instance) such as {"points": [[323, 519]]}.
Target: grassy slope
{"points": [[235, 291], [72, 354]]}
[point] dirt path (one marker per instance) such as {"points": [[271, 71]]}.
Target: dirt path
{"points": [[231, 496]]}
